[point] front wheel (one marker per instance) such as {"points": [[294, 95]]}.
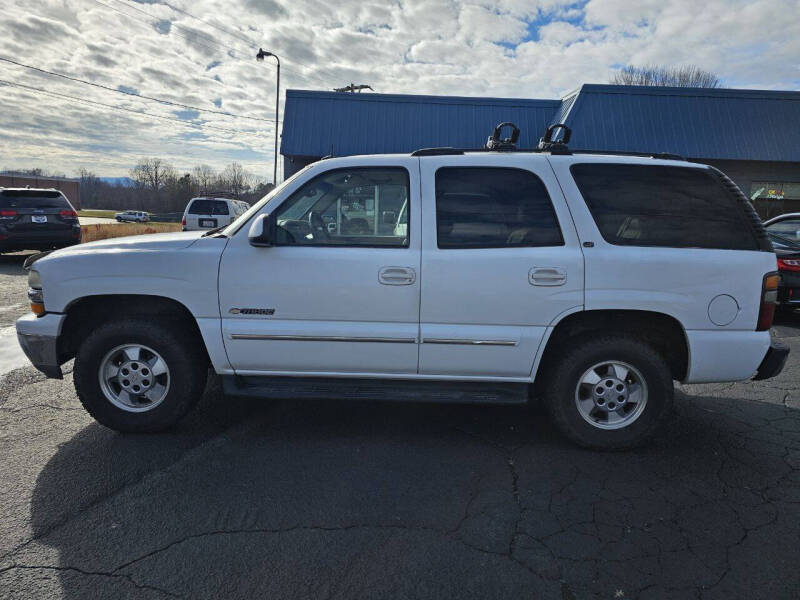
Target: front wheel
{"points": [[611, 392], [137, 375]]}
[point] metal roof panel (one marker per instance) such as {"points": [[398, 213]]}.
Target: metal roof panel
{"points": [[694, 122], [316, 122]]}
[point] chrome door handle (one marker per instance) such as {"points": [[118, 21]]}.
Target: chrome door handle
{"points": [[547, 276], [397, 276]]}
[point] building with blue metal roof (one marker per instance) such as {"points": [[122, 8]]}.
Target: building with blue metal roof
{"points": [[752, 135]]}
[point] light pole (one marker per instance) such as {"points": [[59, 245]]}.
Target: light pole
{"points": [[262, 54]]}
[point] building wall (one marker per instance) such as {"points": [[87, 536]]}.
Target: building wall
{"points": [[71, 189], [292, 164], [746, 172]]}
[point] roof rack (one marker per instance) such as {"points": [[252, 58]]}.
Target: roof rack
{"points": [[546, 144], [444, 151], [659, 155], [510, 143], [217, 194]]}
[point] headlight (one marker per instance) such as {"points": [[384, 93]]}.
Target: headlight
{"points": [[35, 294], [34, 280]]}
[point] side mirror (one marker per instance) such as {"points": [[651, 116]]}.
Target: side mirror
{"points": [[262, 231]]}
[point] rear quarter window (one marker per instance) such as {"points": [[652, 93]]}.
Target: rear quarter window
{"points": [[654, 205], [208, 207]]}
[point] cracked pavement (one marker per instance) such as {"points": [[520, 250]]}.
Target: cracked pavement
{"points": [[315, 499]]}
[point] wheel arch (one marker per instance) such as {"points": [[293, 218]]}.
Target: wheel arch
{"points": [[664, 332], [91, 311]]}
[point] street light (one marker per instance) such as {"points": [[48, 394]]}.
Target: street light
{"points": [[262, 54]]}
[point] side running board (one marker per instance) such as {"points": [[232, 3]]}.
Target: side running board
{"points": [[396, 390]]}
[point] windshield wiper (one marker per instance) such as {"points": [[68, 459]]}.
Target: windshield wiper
{"points": [[213, 231]]}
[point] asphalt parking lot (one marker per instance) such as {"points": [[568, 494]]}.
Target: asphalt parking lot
{"points": [[375, 500]]}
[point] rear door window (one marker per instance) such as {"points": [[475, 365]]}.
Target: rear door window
{"points": [[24, 199], [655, 205], [205, 206], [490, 207]]}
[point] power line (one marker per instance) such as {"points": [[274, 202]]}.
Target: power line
{"points": [[195, 32], [130, 16], [128, 110], [248, 40], [135, 95]]}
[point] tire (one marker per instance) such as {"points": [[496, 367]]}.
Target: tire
{"points": [[183, 382], [637, 420]]}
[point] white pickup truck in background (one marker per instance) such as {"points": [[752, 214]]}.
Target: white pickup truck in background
{"points": [[592, 281]]}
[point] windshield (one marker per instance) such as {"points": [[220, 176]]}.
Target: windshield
{"points": [[245, 217]]}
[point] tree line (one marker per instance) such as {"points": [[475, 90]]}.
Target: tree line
{"points": [[665, 75], [155, 186]]}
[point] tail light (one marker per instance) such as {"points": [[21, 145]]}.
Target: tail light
{"points": [[789, 264], [183, 222], [68, 214], [8, 214], [769, 297]]}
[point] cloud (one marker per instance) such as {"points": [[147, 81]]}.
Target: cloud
{"points": [[514, 48]]}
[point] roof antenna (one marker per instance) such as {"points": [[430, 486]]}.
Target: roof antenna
{"points": [[510, 143], [556, 147], [327, 156]]}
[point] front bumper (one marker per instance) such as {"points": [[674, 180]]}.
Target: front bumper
{"points": [[773, 362], [38, 337]]}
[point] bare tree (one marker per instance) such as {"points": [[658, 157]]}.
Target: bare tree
{"points": [[152, 175], [662, 75], [90, 187], [205, 178], [236, 179]]}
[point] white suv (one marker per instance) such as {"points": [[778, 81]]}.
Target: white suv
{"points": [[592, 281], [132, 216], [211, 213]]}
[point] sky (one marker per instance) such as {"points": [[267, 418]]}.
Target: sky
{"points": [[201, 53]]}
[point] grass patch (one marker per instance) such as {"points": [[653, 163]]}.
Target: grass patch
{"points": [[92, 233], [99, 214]]}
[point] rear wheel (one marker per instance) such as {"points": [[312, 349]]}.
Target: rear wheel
{"points": [[611, 392], [139, 376]]}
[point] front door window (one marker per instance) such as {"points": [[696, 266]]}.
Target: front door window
{"points": [[348, 207]]}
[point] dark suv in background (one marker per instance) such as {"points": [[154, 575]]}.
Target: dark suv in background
{"points": [[36, 219]]}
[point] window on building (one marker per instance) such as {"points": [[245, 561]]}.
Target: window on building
{"points": [[478, 207], [679, 207], [773, 198]]}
